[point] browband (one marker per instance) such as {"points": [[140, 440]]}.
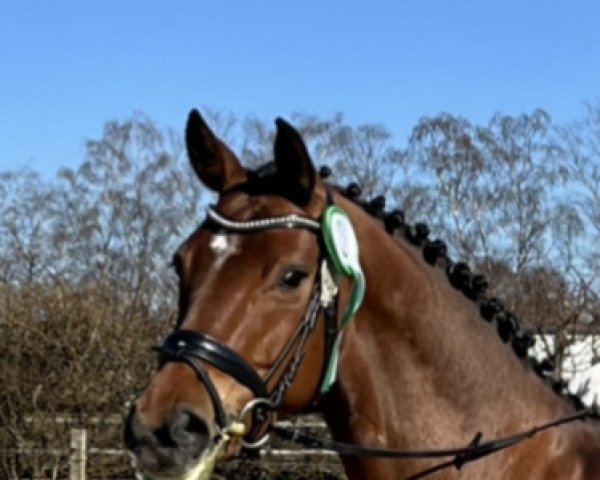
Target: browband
{"points": [[252, 226]]}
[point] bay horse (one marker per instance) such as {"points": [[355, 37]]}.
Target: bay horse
{"points": [[293, 297]]}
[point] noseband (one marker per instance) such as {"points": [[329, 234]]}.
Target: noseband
{"points": [[194, 348]]}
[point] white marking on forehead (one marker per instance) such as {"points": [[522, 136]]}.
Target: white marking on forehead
{"points": [[224, 246]]}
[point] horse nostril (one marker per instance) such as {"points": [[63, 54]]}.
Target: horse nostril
{"points": [[173, 447], [185, 431], [134, 433]]}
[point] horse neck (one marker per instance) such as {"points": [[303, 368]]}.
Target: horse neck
{"points": [[419, 367]]}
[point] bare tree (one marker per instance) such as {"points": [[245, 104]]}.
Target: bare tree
{"points": [[581, 164], [501, 197], [361, 154], [86, 285], [24, 227]]}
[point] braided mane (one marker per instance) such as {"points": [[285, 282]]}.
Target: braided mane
{"points": [[472, 285], [263, 181]]}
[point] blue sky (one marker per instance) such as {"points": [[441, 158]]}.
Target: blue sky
{"points": [[67, 67]]}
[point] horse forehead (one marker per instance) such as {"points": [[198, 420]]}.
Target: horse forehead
{"points": [[223, 246], [217, 246]]}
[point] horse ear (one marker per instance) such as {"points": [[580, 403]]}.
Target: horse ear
{"points": [[215, 164], [294, 165]]}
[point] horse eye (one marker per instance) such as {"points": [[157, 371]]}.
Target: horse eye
{"points": [[292, 279]]}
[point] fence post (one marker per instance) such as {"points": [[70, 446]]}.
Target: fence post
{"points": [[78, 454]]}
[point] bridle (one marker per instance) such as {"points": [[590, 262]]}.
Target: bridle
{"points": [[194, 348]]}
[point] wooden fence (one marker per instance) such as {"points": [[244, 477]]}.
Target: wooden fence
{"points": [[80, 453]]}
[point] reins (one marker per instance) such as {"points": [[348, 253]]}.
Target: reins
{"points": [[475, 450]]}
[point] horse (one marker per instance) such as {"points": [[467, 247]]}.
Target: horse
{"points": [[293, 297]]}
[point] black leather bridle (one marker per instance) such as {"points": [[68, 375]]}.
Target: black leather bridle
{"points": [[194, 348]]}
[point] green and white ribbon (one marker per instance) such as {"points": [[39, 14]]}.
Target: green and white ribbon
{"points": [[342, 246]]}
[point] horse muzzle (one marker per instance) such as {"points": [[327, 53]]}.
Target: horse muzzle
{"points": [[180, 449]]}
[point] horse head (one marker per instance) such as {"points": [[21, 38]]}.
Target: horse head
{"points": [[251, 330]]}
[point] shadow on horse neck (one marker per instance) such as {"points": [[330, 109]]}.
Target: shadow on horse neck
{"points": [[418, 367]]}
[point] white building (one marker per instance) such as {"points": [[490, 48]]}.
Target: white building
{"points": [[581, 367]]}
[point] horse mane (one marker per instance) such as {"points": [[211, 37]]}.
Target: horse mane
{"points": [[263, 181], [472, 285]]}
